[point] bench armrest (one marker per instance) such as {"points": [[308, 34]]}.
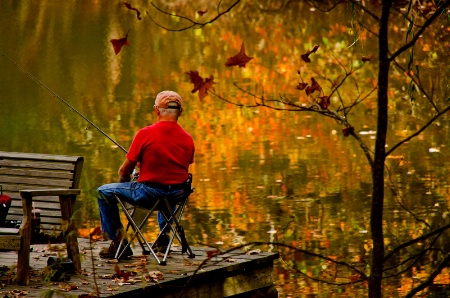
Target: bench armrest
{"points": [[50, 192], [67, 201]]}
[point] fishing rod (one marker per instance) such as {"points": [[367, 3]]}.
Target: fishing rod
{"points": [[64, 101]]}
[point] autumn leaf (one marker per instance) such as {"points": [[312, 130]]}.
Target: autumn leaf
{"points": [[123, 274], [348, 130], [119, 43], [240, 59], [324, 102], [314, 87], [138, 13], [212, 253], [305, 56], [95, 233], [365, 58], [202, 12], [201, 85], [301, 86]]}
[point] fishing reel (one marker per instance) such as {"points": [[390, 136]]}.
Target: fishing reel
{"points": [[135, 175]]}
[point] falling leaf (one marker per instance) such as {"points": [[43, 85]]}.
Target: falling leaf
{"points": [[138, 13], [324, 102], [365, 58], [301, 86], [202, 12], [348, 130], [305, 56], [201, 85], [240, 59], [119, 43]]}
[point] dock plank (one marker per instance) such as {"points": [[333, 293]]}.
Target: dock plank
{"points": [[223, 275]]}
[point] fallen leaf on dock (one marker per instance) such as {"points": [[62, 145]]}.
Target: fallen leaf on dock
{"points": [[253, 252]]}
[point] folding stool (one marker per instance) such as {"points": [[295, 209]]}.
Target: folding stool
{"points": [[172, 221]]}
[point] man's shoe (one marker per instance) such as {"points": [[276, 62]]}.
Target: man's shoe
{"points": [[162, 242], [110, 253]]}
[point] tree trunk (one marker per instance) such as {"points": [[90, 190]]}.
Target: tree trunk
{"points": [[376, 217]]}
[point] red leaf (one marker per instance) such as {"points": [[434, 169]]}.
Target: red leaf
{"points": [[305, 56], [138, 13], [212, 253], [365, 58], [314, 87], [240, 59], [348, 131], [301, 86], [201, 85], [95, 232], [324, 102], [119, 43], [123, 274], [202, 12]]}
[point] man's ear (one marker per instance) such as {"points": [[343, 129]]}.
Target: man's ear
{"points": [[181, 111]]}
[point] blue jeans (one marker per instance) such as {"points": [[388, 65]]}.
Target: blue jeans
{"points": [[135, 193]]}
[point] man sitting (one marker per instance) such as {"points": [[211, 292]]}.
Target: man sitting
{"points": [[163, 151]]}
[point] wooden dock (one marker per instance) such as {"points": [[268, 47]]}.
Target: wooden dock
{"points": [[209, 274]]}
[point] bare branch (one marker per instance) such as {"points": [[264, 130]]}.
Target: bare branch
{"points": [[328, 9], [418, 84], [414, 241], [399, 198], [365, 9], [419, 131], [427, 24], [444, 263], [195, 24]]}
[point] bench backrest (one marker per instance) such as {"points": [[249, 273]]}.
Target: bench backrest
{"points": [[29, 171]]}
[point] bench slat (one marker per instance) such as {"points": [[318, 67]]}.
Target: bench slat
{"points": [[38, 156], [34, 181], [36, 173], [35, 164]]}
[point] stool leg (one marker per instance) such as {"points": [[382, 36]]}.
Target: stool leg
{"points": [[136, 229]]}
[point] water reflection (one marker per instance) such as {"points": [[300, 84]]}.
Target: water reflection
{"points": [[259, 174]]}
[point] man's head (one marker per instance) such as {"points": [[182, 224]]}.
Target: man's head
{"points": [[165, 97], [168, 105]]}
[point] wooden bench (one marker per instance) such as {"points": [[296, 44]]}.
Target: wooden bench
{"points": [[43, 182]]}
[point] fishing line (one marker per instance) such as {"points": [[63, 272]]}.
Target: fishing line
{"points": [[64, 101]]}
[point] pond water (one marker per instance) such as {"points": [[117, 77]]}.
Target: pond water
{"points": [[259, 174]]}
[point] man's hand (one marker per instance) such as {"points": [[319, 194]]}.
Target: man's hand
{"points": [[125, 170], [124, 178]]}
